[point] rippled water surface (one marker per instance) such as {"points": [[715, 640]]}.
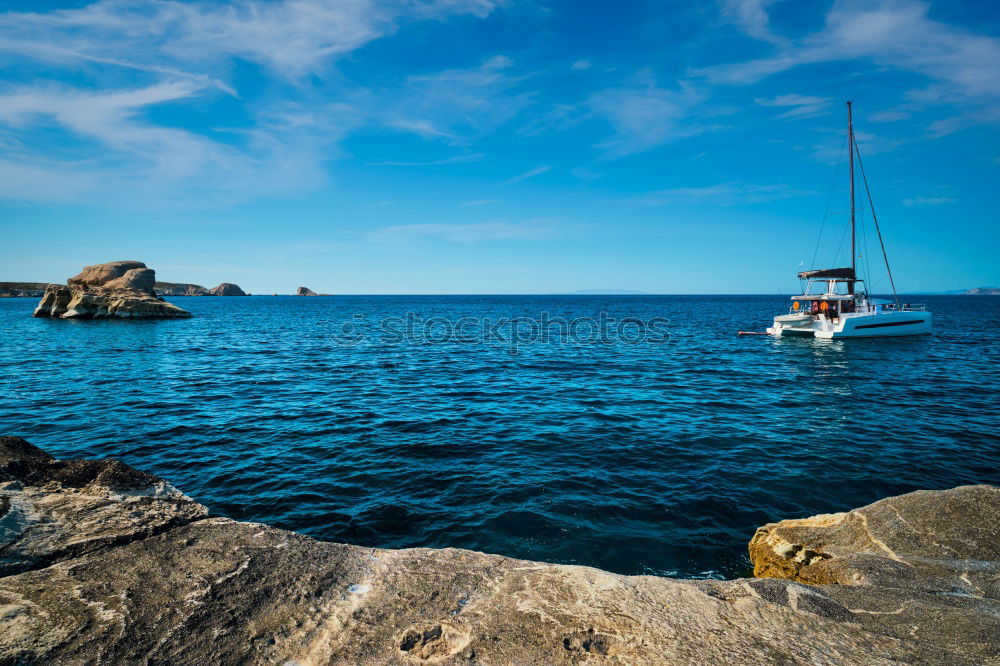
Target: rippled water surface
{"points": [[639, 458]]}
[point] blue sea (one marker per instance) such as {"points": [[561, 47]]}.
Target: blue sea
{"points": [[401, 421]]}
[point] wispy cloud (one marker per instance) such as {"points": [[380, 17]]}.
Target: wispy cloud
{"points": [[293, 37], [891, 33], [645, 116], [530, 173], [480, 202], [585, 174], [183, 52], [466, 233], [751, 16], [723, 194], [582, 64], [928, 201], [457, 159], [109, 143], [888, 116], [457, 102], [45, 182], [799, 106]]}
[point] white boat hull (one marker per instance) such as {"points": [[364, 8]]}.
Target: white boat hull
{"points": [[881, 325], [886, 324]]}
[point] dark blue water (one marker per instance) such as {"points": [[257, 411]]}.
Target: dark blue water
{"points": [[659, 457]]}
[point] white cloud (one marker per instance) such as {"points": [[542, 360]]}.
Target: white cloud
{"points": [[751, 16], [723, 194], [294, 37], [456, 102], [928, 201], [184, 50], [530, 173], [645, 116], [581, 64], [801, 106], [833, 149], [466, 233], [888, 116], [457, 159], [113, 147], [891, 33]]}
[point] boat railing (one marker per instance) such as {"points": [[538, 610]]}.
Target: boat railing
{"points": [[913, 307]]}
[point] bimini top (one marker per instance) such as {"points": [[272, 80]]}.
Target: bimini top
{"points": [[830, 274]]}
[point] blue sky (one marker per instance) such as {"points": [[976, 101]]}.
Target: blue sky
{"points": [[496, 146]]}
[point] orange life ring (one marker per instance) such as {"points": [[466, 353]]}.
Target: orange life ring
{"points": [[796, 306], [824, 306]]}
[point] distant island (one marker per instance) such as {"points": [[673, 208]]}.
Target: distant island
{"points": [[605, 292], [975, 291], [185, 289], [306, 291], [22, 289], [37, 289]]}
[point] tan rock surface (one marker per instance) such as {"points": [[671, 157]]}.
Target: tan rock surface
{"points": [[921, 540], [227, 289], [118, 289], [211, 590], [100, 274]]}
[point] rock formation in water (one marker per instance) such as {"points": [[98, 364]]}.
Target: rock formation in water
{"points": [[180, 289], [227, 289], [984, 291], [117, 289], [101, 563], [22, 289], [305, 291]]}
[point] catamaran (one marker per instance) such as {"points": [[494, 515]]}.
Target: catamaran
{"points": [[835, 302]]}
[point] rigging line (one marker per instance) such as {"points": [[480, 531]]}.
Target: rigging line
{"points": [[864, 242], [840, 246], [871, 205], [829, 199]]}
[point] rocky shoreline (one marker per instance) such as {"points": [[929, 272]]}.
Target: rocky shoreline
{"points": [[104, 563]]}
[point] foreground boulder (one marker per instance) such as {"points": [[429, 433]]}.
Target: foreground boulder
{"points": [[914, 541], [110, 565], [117, 289], [227, 289]]}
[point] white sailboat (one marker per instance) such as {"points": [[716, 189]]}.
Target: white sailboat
{"points": [[836, 304]]}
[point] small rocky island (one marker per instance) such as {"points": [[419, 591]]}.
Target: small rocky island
{"points": [[227, 289], [114, 290], [305, 291], [187, 289], [101, 563]]}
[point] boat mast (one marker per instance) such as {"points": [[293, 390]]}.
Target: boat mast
{"points": [[850, 148]]}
